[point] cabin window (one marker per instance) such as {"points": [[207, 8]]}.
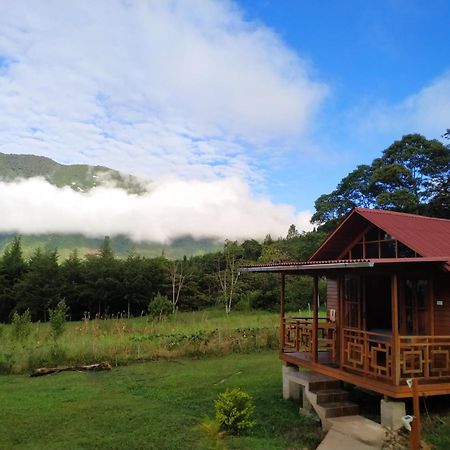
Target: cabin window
{"points": [[376, 243]]}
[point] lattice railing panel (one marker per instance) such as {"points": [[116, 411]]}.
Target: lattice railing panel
{"points": [[425, 357], [367, 353]]}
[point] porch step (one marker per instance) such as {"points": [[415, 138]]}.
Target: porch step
{"points": [[331, 395], [321, 393], [339, 409], [314, 381]]}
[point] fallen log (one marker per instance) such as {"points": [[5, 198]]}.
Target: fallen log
{"points": [[89, 368]]}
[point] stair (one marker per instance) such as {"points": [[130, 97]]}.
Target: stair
{"points": [[323, 394]]}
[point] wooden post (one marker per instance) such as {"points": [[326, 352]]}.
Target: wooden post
{"points": [[315, 324], [415, 425], [282, 313], [340, 324], [395, 361]]}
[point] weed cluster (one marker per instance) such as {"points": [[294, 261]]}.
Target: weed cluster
{"points": [[121, 341]]}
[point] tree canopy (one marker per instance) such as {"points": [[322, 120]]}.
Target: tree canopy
{"points": [[412, 175]]}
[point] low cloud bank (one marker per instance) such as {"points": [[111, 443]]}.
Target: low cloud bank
{"points": [[224, 209]]}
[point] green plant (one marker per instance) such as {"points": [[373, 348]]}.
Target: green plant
{"points": [[160, 306], [58, 319], [212, 433], [234, 410], [21, 325]]}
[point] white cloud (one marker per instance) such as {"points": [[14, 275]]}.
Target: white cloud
{"points": [[222, 209], [426, 112], [181, 87]]}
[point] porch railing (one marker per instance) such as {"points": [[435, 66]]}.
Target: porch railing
{"points": [[425, 357], [367, 353], [298, 335]]}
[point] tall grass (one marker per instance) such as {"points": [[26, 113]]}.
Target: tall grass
{"points": [[121, 341]]}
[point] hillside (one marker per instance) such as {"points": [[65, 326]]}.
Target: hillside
{"points": [[66, 243], [80, 177]]}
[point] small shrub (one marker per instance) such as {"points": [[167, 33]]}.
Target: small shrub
{"points": [[58, 319], [21, 325], [234, 411], [159, 307]]}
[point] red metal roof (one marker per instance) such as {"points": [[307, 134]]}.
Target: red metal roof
{"points": [[335, 264], [427, 236]]}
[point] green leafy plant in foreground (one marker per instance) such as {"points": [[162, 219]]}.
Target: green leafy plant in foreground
{"points": [[234, 411], [212, 433]]}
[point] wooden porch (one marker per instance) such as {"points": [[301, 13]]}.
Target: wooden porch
{"points": [[380, 361]]}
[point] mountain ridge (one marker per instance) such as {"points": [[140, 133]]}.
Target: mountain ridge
{"points": [[83, 178], [79, 177]]}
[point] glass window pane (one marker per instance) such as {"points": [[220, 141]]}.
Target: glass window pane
{"points": [[404, 251], [372, 250], [372, 234], [387, 249], [357, 251]]}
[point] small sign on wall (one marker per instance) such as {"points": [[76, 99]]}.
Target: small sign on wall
{"points": [[439, 302]]}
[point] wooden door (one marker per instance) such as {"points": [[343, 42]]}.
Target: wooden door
{"points": [[414, 305], [352, 302]]}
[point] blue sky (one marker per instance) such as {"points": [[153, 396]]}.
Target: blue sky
{"points": [[369, 54], [269, 103]]}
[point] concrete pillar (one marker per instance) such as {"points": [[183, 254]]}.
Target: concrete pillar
{"points": [[290, 388], [306, 407], [392, 413]]}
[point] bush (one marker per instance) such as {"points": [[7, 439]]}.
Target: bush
{"points": [[234, 410], [160, 306], [58, 319], [21, 325]]}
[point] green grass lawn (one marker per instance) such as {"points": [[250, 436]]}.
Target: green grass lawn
{"points": [[153, 405]]}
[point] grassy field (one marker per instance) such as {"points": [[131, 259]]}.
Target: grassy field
{"points": [[153, 405], [121, 341]]}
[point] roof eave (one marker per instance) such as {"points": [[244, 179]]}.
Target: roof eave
{"points": [[306, 267]]}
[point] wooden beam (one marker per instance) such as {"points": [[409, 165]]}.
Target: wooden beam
{"points": [[395, 361], [315, 324], [415, 432], [431, 300], [282, 312], [340, 325]]}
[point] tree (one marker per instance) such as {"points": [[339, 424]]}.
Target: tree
{"points": [[292, 232], [406, 175], [73, 285], [12, 267], [410, 176], [178, 275], [40, 286], [105, 251], [354, 190], [228, 273], [446, 135], [251, 250], [103, 276]]}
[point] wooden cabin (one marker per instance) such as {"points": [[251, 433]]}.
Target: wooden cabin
{"points": [[388, 304]]}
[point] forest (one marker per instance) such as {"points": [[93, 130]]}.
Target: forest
{"points": [[411, 175]]}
